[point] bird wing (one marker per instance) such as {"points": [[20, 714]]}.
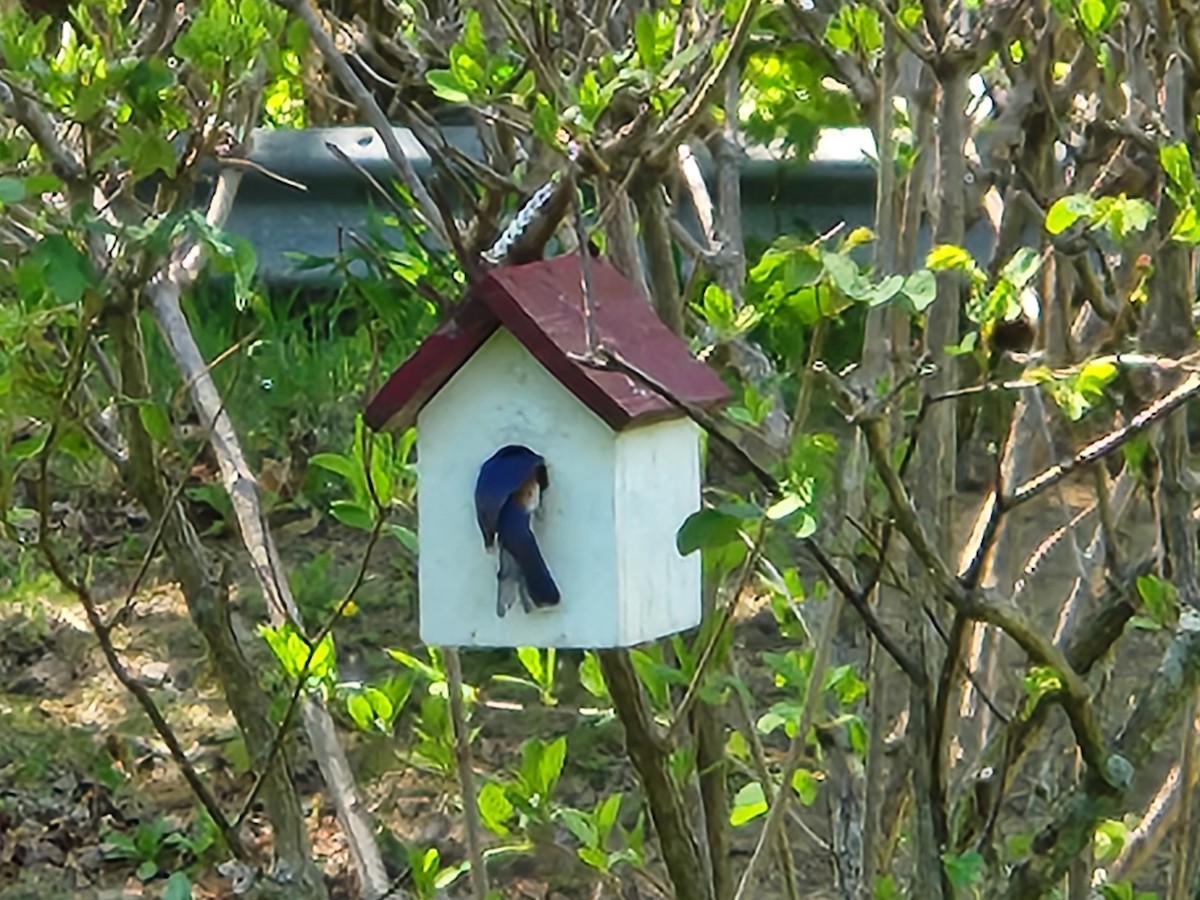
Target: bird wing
{"points": [[504, 473], [518, 543]]}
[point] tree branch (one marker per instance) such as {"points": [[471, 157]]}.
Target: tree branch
{"points": [[370, 110]]}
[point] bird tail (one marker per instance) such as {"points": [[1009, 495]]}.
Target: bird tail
{"points": [[510, 585], [518, 544]]}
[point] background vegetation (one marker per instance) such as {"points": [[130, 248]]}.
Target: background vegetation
{"points": [[949, 533]]}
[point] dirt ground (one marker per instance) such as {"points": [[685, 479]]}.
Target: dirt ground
{"points": [[79, 762]]}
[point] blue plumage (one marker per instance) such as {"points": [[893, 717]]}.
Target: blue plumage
{"points": [[507, 492]]}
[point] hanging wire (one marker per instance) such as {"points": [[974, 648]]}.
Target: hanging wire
{"points": [[527, 213]]}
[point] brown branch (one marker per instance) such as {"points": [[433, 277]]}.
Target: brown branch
{"points": [[1004, 614], [162, 728], [858, 600], [369, 108], [1109, 443], [35, 120], [686, 114], [462, 753], [1096, 798], [651, 761]]}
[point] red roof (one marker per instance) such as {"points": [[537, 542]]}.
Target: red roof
{"points": [[541, 304]]}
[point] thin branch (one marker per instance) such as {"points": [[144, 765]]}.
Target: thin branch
{"points": [[75, 371], [314, 642], [796, 752], [466, 777], [916, 46], [1111, 442], [708, 653], [685, 115], [370, 110]]}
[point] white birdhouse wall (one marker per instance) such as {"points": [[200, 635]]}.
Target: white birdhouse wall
{"points": [[606, 526]]}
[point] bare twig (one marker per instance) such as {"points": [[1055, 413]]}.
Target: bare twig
{"points": [[466, 775], [369, 108], [1111, 442]]}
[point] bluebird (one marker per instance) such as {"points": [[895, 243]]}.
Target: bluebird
{"points": [[507, 492]]}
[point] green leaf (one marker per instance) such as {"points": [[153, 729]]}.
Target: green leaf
{"points": [[495, 809], [29, 447], [1024, 264], [405, 535], [1160, 598], [843, 271], [785, 507], [531, 659], [545, 121], [1066, 211], [1039, 681], [965, 346], [606, 815], [805, 784], [411, 662], [450, 874], [748, 804], [580, 825], [646, 38], [359, 708], [12, 189], [1109, 840], [550, 766], [1186, 227], [323, 659], [964, 869], [594, 857], [1123, 216], [446, 86], [591, 677], [154, 419], [147, 870], [383, 709], [705, 529], [147, 152], [947, 257], [179, 887], [856, 238], [801, 268], [1092, 13], [67, 271], [921, 289], [1177, 163], [353, 515]]}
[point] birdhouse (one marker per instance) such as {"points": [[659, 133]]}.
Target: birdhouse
{"points": [[550, 490]]}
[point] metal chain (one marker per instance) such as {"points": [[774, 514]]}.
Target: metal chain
{"points": [[529, 211]]}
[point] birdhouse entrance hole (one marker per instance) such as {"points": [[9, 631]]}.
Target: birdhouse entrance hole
{"points": [[508, 499]]}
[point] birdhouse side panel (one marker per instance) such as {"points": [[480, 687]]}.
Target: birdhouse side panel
{"points": [[657, 488], [503, 396]]}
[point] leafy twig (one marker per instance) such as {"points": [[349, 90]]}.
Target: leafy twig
{"points": [[796, 752], [313, 643], [96, 621]]}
